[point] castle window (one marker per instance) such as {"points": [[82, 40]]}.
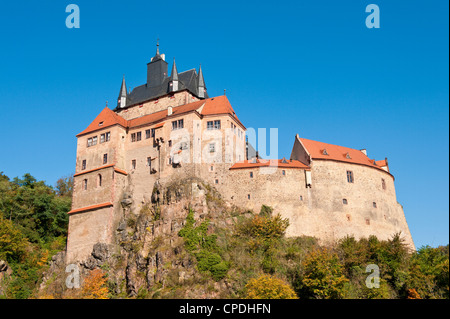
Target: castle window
{"points": [[133, 164], [383, 183], [99, 180], [170, 160], [344, 201], [176, 125], [170, 143], [248, 196], [374, 204], [83, 164], [350, 176], [152, 132], [138, 136], [211, 168], [283, 172], [213, 125], [251, 174], [212, 147], [89, 142], [149, 162], [85, 184], [301, 197], [133, 137], [94, 140], [147, 133], [105, 137], [105, 158], [217, 181]]}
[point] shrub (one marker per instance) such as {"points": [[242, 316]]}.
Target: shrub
{"points": [[268, 287], [204, 247]]}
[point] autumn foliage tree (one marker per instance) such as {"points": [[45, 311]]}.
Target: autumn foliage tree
{"points": [[268, 287], [94, 286], [323, 276]]}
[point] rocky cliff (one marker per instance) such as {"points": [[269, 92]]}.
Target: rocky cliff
{"points": [[149, 257]]}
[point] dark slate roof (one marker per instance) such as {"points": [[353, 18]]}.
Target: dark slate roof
{"points": [[188, 80]]}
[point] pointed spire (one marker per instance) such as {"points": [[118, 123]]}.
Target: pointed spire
{"points": [[122, 100], [173, 83], [123, 88], [201, 83], [174, 71]]}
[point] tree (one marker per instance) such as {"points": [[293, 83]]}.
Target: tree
{"points": [[64, 186], [12, 243], [94, 286], [323, 276], [268, 287]]}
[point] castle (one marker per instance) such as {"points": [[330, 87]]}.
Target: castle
{"points": [[169, 128]]}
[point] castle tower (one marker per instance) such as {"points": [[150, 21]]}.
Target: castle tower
{"points": [[156, 69]]}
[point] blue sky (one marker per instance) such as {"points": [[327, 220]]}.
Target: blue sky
{"points": [[306, 67]]}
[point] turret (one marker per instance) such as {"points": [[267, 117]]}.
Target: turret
{"points": [[173, 83], [201, 84], [122, 100]]}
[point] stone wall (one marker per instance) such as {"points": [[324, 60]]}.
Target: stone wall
{"points": [[155, 105]]}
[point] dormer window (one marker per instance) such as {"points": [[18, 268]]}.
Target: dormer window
{"points": [[100, 124], [347, 156], [325, 152]]}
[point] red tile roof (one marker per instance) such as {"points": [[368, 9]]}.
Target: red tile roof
{"points": [[92, 207], [320, 150], [106, 118], [281, 163], [211, 106]]}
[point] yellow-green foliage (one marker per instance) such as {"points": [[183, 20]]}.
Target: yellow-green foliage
{"points": [[268, 287], [12, 243], [323, 275]]}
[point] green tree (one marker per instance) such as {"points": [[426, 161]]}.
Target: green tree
{"points": [[12, 243], [429, 273], [323, 276]]}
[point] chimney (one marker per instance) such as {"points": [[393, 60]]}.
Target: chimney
{"points": [[364, 151], [169, 111]]}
